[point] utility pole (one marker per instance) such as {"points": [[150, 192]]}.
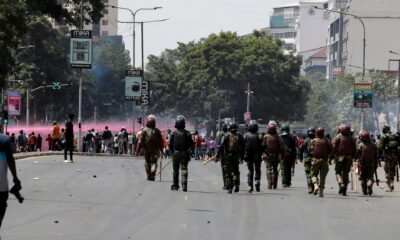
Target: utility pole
{"points": [[80, 92], [141, 26], [249, 93]]}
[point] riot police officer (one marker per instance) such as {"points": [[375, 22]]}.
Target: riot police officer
{"points": [[220, 152], [368, 161], [253, 155], [288, 161], [181, 145], [305, 156], [389, 145]]}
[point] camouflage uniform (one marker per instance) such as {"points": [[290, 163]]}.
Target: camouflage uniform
{"points": [[232, 159], [320, 149], [305, 156], [345, 151], [289, 160], [274, 149], [253, 159], [221, 155], [389, 145], [368, 162]]}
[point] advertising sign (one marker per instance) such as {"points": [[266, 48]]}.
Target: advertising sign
{"points": [[247, 117], [145, 98], [81, 49], [363, 92], [133, 84], [14, 104]]}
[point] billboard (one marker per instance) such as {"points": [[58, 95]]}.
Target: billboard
{"points": [[133, 84], [14, 104], [81, 49], [363, 92]]}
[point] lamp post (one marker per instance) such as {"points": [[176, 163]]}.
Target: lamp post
{"points": [[364, 47], [133, 13], [398, 88]]}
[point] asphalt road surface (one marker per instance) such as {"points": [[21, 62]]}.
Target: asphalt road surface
{"points": [[108, 198]]}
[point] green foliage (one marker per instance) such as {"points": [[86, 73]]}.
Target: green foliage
{"points": [[208, 78]]}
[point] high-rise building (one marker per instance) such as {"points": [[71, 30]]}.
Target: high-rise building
{"points": [[346, 33]]}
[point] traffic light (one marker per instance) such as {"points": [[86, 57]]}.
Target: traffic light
{"points": [[5, 117], [139, 120]]}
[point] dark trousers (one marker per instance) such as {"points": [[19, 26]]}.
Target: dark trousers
{"points": [[3, 205], [254, 165], [69, 146]]}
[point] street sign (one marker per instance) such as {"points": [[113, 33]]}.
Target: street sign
{"points": [[145, 98], [81, 49], [247, 117], [133, 84], [363, 92], [56, 85]]}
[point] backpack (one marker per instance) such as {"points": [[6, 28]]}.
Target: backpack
{"points": [[150, 140], [233, 144], [21, 139]]}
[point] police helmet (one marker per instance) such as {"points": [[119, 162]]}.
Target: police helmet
{"points": [[180, 122], [253, 126]]}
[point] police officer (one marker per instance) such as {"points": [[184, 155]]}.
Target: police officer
{"points": [[233, 145], [320, 150], [181, 146], [150, 140], [345, 150], [274, 151], [389, 146], [305, 156], [368, 161], [220, 152], [252, 155], [290, 142]]}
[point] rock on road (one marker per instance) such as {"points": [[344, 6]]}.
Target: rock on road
{"points": [[108, 198]]}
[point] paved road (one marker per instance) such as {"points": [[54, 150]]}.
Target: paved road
{"points": [[107, 198]]}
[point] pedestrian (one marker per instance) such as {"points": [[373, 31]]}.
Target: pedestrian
{"points": [[56, 135], [32, 142], [116, 144], [289, 160], [197, 140], [252, 155], [321, 150], [368, 161], [211, 147], [6, 161], [221, 156], [181, 145], [13, 143], [274, 151], [49, 141], [233, 143], [305, 157], [344, 145], [39, 142], [22, 141], [106, 140], [151, 141], [69, 138], [389, 145]]}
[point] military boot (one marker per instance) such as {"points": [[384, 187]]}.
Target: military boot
{"points": [[230, 191], [344, 192], [269, 180], [184, 187], [369, 189], [275, 181], [236, 188], [257, 186], [310, 189], [341, 188], [250, 190], [321, 192], [174, 187], [316, 189], [364, 187]]}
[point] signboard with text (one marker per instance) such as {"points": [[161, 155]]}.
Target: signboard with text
{"points": [[81, 49], [133, 84], [14, 104], [363, 92], [145, 98]]}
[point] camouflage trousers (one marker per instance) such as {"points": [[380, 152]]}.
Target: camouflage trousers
{"points": [[150, 164], [223, 170], [180, 160], [254, 166], [367, 172], [232, 174], [272, 165], [320, 167], [308, 171], [342, 169], [390, 166]]}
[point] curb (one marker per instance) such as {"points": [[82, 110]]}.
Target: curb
{"points": [[18, 156]]}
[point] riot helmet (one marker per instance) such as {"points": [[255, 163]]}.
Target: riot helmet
{"points": [[345, 129], [271, 128], [364, 135], [285, 129], [233, 127], [180, 122], [311, 132], [385, 128], [151, 121], [320, 132], [253, 126]]}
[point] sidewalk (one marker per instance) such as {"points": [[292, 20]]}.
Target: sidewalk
{"points": [[53, 153]]}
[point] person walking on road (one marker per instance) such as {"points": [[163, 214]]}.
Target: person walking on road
{"points": [[181, 145], [69, 138], [305, 157], [39, 141], [252, 155], [321, 150], [368, 162], [151, 141], [6, 162], [221, 155], [389, 145]]}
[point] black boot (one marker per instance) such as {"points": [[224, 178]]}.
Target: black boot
{"points": [[257, 187], [369, 190], [174, 187], [250, 190], [269, 180], [236, 188], [184, 187], [230, 191]]}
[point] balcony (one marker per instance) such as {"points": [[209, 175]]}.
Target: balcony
{"points": [[282, 21]]}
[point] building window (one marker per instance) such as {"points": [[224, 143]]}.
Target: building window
{"points": [[105, 11], [105, 1], [104, 33], [104, 22]]}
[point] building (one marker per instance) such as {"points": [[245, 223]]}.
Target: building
{"points": [[282, 24], [346, 33], [316, 63], [108, 25]]}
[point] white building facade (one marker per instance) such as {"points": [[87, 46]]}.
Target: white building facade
{"points": [[346, 33]]}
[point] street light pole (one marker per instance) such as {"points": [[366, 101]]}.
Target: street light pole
{"points": [[364, 48], [80, 91], [134, 49], [398, 88], [27, 104]]}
